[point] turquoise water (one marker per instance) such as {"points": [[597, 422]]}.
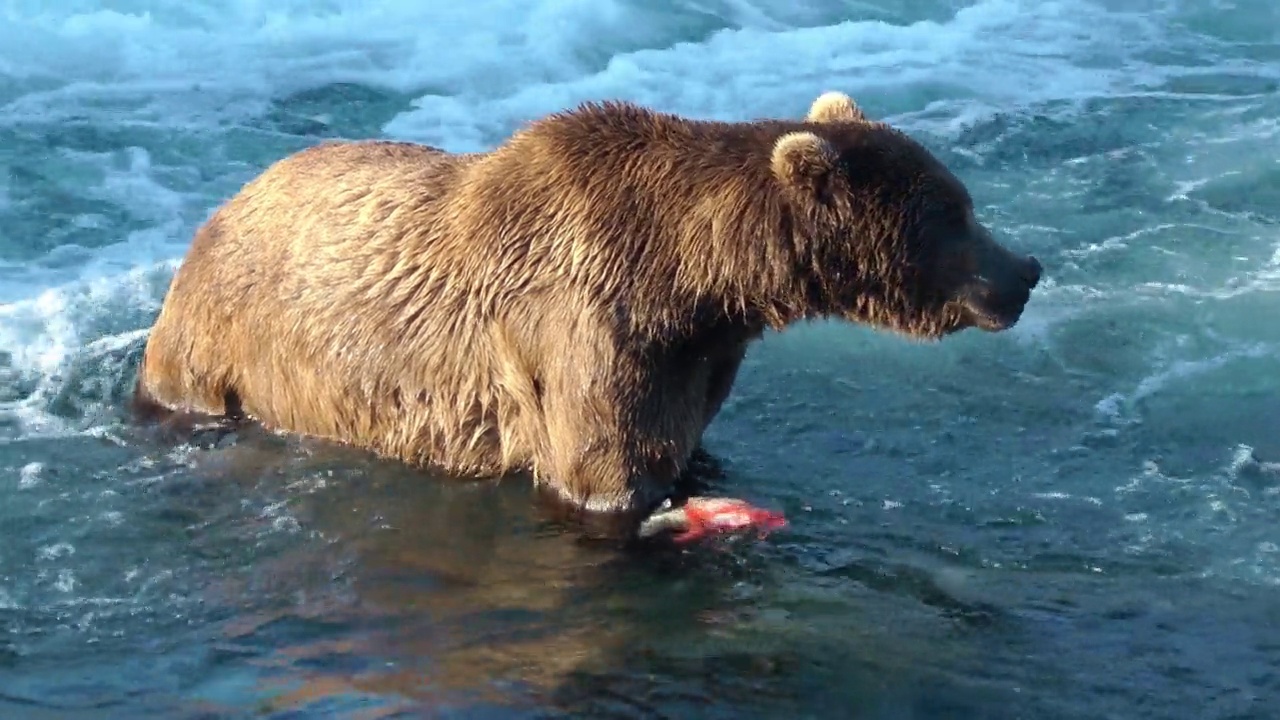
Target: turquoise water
{"points": [[1075, 519]]}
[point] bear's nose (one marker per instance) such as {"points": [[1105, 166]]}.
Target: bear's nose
{"points": [[1031, 271]]}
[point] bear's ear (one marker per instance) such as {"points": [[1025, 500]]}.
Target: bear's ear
{"points": [[804, 161], [833, 106]]}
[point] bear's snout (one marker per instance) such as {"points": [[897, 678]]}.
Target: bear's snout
{"points": [[996, 298], [1031, 272]]}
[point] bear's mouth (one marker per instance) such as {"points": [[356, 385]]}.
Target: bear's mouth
{"points": [[995, 322], [994, 313]]}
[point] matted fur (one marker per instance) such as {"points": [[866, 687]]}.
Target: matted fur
{"points": [[576, 302]]}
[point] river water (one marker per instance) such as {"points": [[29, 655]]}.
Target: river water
{"points": [[1074, 519]]}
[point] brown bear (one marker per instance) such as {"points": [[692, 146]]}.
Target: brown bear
{"points": [[574, 303]]}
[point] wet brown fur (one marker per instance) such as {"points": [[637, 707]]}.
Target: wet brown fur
{"points": [[575, 303]]}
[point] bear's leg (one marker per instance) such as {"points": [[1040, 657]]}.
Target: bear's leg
{"points": [[601, 453], [181, 382], [204, 330], [595, 463], [720, 382]]}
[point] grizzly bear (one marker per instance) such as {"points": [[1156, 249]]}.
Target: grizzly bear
{"points": [[573, 304]]}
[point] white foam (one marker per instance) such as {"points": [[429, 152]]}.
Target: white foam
{"points": [[1245, 463], [66, 581], [201, 60], [1119, 408], [29, 475], [1118, 243], [55, 551], [1058, 495], [170, 215], [991, 55]]}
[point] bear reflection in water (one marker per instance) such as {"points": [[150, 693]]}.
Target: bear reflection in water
{"points": [[421, 593]]}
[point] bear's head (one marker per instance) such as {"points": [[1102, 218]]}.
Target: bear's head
{"points": [[887, 233]]}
